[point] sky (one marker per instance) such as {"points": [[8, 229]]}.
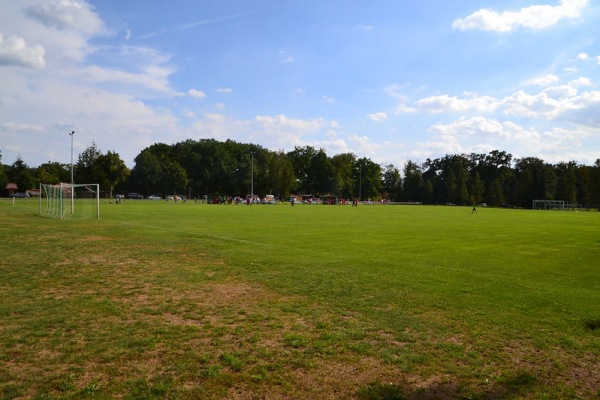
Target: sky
{"points": [[389, 80]]}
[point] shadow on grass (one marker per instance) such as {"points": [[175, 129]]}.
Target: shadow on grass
{"points": [[514, 387], [592, 324]]}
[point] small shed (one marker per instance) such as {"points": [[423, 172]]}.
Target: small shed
{"points": [[12, 188]]}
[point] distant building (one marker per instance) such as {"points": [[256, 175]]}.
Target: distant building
{"points": [[12, 188]]}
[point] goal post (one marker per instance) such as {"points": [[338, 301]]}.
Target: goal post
{"points": [[70, 201]]}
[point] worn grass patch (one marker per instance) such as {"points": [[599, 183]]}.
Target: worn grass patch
{"points": [[158, 300]]}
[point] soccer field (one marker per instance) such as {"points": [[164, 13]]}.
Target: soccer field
{"points": [[165, 300]]}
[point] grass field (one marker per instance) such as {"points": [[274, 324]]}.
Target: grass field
{"points": [[164, 300]]}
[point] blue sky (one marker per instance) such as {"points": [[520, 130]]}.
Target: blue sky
{"points": [[389, 80]]}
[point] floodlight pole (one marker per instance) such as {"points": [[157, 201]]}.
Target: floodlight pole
{"points": [[360, 184], [252, 176], [71, 134], [72, 181]]}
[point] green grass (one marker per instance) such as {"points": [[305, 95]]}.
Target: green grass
{"points": [[164, 300]]}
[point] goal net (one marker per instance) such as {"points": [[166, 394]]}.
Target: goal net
{"points": [[70, 201], [548, 205]]}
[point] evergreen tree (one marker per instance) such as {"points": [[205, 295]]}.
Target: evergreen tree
{"points": [[21, 175], [84, 168], [3, 177], [392, 184], [477, 189], [412, 184]]}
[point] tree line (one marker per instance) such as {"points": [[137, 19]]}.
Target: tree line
{"points": [[212, 168]]}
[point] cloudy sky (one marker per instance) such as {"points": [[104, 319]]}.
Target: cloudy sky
{"points": [[389, 80]]}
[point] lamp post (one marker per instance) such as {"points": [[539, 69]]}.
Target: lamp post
{"points": [[360, 185], [72, 181], [71, 134], [252, 176]]}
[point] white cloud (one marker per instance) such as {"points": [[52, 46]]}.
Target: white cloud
{"points": [[365, 145], [549, 104], [561, 92], [224, 90], [475, 127], [480, 135], [67, 15], [14, 127], [553, 103], [14, 51], [404, 109], [63, 28], [445, 103], [585, 110], [153, 77], [377, 117], [581, 81], [199, 94], [281, 123], [536, 106], [280, 131], [543, 80], [534, 17]]}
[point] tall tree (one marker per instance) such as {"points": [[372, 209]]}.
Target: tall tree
{"points": [[567, 182], [588, 178], [412, 184], [279, 174], [345, 182], [392, 184], [495, 194], [301, 158], [147, 173], [53, 173], [321, 173], [110, 171], [21, 175], [595, 183], [368, 174], [175, 178], [496, 172], [477, 188], [3, 177], [84, 168], [536, 180]]}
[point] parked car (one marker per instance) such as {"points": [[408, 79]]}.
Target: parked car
{"points": [[20, 195], [134, 196], [154, 197]]}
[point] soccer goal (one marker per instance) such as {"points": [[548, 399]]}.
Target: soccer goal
{"points": [[70, 201], [548, 205]]}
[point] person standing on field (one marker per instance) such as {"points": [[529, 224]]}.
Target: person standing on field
{"points": [[474, 209]]}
